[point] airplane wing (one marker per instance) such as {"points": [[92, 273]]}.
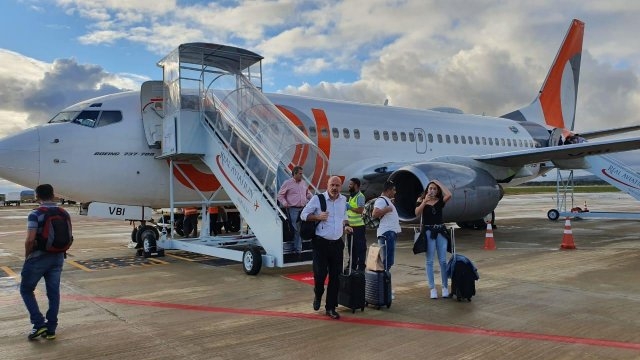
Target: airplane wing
{"points": [[561, 152]]}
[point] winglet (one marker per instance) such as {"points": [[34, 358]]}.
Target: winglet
{"points": [[555, 105]]}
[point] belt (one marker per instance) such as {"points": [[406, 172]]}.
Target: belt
{"points": [[320, 237]]}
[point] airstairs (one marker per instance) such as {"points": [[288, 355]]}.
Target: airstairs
{"points": [[606, 168], [214, 113]]}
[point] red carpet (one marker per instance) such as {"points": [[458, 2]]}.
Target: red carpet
{"points": [[306, 277]]}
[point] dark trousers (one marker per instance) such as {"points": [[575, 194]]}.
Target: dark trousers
{"points": [[359, 247], [190, 225], [213, 225], [327, 259]]}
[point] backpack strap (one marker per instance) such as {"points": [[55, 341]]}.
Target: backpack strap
{"points": [[323, 202]]}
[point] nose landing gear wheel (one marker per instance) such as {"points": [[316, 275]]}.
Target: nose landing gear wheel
{"points": [[252, 261]]}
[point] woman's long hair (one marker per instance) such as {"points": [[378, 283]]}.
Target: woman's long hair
{"points": [[439, 195]]}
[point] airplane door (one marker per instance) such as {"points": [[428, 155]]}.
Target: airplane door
{"points": [[421, 141]]}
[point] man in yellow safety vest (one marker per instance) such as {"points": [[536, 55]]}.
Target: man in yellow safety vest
{"points": [[355, 207]]}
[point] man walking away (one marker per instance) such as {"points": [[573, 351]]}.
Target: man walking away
{"points": [[48, 237]]}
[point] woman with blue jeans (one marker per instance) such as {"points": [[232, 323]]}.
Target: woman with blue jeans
{"points": [[430, 205]]}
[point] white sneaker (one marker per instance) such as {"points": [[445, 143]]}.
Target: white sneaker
{"points": [[445, 292], [434, 293]]}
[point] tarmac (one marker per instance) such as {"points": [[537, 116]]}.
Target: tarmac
{"points": [[533, 301]]}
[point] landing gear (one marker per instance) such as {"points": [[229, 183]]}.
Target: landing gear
{"points": [[147, 240], [252, 261]]}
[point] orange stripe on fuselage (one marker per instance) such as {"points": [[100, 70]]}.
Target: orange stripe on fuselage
{"points": [[202, 181], [324, 143], [301, 151], [551, 95]]}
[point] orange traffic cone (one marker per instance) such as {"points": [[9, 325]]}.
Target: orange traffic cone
{"points": [[489, 244], [567, 238]]}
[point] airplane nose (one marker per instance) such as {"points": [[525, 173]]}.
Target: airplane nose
{"points": [[20, 158]]}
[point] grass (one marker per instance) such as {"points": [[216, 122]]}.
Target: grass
{"points": [[530, 189]]}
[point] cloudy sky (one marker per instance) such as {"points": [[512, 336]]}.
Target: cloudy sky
{"points": [[485, 56]]}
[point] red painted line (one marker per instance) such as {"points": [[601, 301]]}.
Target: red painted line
{"points": [[368, 322]]}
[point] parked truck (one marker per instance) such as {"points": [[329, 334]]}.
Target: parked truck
{"points": [[12, 198]]}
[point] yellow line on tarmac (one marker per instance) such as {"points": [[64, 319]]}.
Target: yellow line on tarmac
{"points": [[158, 261], [81, 267], [9, 272], [179, 257]]}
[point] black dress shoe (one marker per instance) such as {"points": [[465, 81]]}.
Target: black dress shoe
{"points": [[333, 314], [316, 303]]}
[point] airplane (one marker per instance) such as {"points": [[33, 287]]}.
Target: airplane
{"points": [[111, 150]]}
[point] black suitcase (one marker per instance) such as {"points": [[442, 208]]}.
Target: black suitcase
{"points": [[351, 292], [463, 280], [377, 288]]}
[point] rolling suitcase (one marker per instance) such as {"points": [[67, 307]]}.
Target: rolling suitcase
{"points": [[462, 273], [378, 286], [352, 287]]}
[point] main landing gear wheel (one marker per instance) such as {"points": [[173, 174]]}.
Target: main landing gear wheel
{"points": [[553, 214], [252, 261]]}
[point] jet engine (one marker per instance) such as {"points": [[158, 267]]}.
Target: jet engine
{"points": [[475, 193]]}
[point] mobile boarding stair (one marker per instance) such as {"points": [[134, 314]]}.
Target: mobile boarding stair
{"points": [[606, 168], [215, 113]]}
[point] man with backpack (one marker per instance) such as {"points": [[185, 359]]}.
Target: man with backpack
{"points": [[389, 227], [329, 211], [48, 238]]}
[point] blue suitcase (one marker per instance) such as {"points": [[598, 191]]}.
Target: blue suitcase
{"points": [[377, 288]]}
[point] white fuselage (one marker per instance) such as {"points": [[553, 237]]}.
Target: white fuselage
{"points": [[115, 164]]}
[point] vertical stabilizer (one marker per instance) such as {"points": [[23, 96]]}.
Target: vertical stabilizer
{"points": [[555, 105]]}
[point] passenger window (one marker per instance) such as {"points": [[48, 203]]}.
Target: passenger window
{"points": [[412, 137], [385, 135], [109, 117], [324, 132], [502, 142], [430, 137], [455, 139], [394, 135], [508, 142], [471, 140], [420, 137], [490, 141], [335, 132], [448, 138], [484, 140], [403, 136], [440, 138], [356, 133], [497, 142], [376, 134], [345, 133], [312, 131], [463, 139]]}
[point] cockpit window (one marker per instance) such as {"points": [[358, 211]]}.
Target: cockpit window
{"points": [[64, 116], [87, 118], [109, 117]]}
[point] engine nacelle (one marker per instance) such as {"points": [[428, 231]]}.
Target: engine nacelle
{"points": [[475, 193]]}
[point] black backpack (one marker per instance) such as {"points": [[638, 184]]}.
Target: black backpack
{"points": [[54, 233], [308, 228]]}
